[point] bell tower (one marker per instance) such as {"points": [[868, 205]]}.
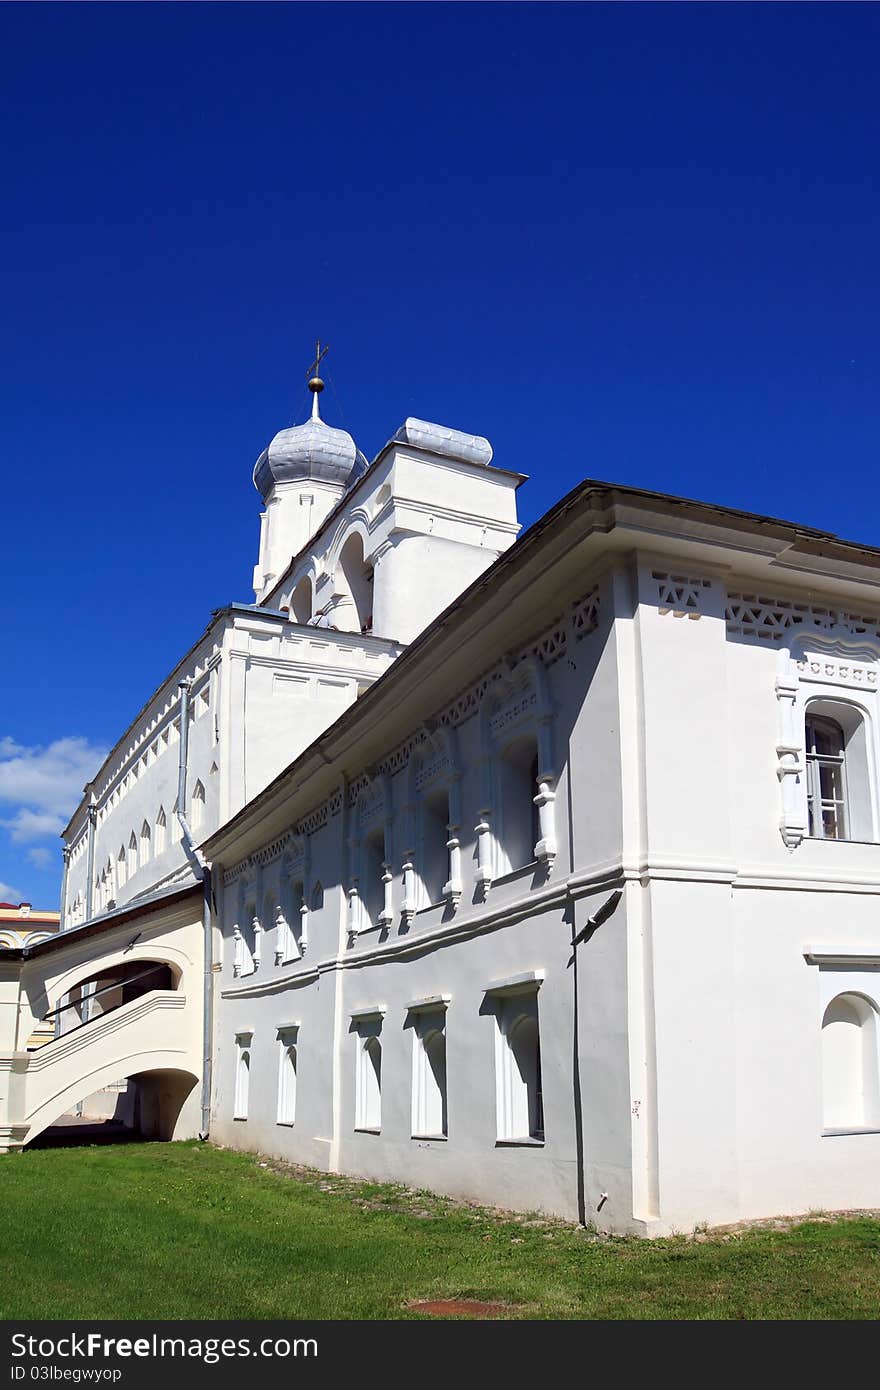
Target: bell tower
{"points": [[301, 476]]}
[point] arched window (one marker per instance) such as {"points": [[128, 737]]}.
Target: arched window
{"points": [[429, 1116], [132, 855], [242, 1077], [301, 601], [317, 897], [526, 1052], [518, 1083], [287, 1064], [839, 795], [432, 858], [145, 843], [355, 613], [372, 876], [161, 830], [198, 806], [120, 867], [850, 1082], [368, 1091], [518, 814]]}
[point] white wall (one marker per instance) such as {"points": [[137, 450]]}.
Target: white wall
{"points": [[263, 689], [699, 1038]]}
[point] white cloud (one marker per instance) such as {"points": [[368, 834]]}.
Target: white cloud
{"points": [[28, 825], [8, 894], [41, 858], [44, 783]]}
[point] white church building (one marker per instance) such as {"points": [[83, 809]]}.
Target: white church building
{"points": [[542, 871]]}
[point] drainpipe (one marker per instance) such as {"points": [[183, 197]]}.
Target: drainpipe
{"points": [[578, 938], [197, 863], [208, 1004], [202, 871], [90, 870], [66, 853]]}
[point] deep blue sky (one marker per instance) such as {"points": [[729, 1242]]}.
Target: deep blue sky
{"points": [[632, 242]]}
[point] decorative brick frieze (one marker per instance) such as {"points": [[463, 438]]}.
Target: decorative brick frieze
{"points": [[769, 619], [680, 595]]}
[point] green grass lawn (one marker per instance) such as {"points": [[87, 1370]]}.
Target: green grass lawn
{"points": [[189, 1231]]}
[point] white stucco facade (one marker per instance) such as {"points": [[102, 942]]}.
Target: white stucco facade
{"points": [[541, 874], [611, 708]]}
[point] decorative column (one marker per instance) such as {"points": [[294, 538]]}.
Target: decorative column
{"points": [[62, 926], [408, 871], [545, 849], [482, 830], [354, 909], [452, 887], [386, 916], [353, 851], [282, 937], [789, 769], [258, 940], [306, 895]]}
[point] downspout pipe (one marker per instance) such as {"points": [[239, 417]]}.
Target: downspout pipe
{"points": [[66, 853], [578, 938], [90, 869], [196, 860], [202, 870]]}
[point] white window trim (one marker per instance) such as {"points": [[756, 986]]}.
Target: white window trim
{"points": [[831, 668]]}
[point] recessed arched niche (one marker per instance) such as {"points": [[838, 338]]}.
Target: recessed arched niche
{"points": [[850, 1071]]}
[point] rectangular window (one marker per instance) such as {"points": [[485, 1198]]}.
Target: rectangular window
{"points": [[288, 1049], [826, 778]]}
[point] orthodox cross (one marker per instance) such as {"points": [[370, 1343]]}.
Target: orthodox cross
{"points": [[319, 356]]}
